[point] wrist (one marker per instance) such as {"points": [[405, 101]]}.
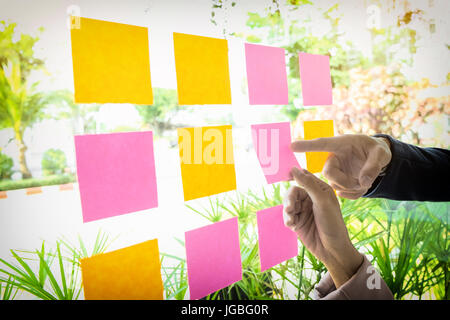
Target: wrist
{"points": [[343, 266], [386, 145], [354, 259]]}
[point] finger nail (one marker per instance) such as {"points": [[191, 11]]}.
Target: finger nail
{"points": [[296, 171], [291, 146]]}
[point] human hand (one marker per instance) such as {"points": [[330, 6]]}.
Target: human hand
{"points": [[355, 161], [313, 213]]}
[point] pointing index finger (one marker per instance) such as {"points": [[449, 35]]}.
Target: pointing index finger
{"points": [[330, 144]]}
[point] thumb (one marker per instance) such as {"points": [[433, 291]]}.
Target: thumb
{"points": [[316, 188], [370, 170]]}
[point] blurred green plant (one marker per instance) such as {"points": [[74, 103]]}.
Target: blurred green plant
{"points": [[174, 275], [371, 86], [414, 264], [43, 283], [406, 241], [36, 272], [21, 104], [413, 256], [213, 214], [36, 182], [6, 165], [159, 115], [7, 290], [288, 26], [79, 251], [293, 26], [82, 116], [53, 162], [384, 103], [124, 128]]}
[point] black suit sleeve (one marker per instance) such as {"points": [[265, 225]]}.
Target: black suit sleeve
{"points": [[414, 173]]}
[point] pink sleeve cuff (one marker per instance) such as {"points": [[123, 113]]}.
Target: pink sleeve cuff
{"points": [[365, 284]]}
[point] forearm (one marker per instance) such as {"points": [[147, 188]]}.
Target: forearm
{"points": [[365, 284], [414, 173], [342, 269]]}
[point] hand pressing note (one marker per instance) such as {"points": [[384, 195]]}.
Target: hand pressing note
{"points": [[354, 163], [313, 212]]}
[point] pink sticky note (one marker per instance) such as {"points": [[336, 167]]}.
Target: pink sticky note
{"points": [[272, 144], [266, 74], [213, 257], [316, 79], [116, 173], [277, 243]]}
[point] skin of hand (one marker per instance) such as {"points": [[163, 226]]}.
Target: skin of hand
{"points": [[312, 211], [354, 162]]}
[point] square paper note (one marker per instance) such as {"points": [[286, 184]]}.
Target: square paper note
{"points": [[277, 243], [316, 79], [313, 130], [272, 144], [202, 70], [116, 173], [266, 74], [132, 273], [111, 63], [213, 257], [206, 159]]}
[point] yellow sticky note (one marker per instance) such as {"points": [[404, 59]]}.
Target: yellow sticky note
{"points": [[313, 130], [111, 63], [132, 273], [202, 70], [207, 162]]}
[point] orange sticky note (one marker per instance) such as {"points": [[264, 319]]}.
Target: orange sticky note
{"points": [[202, 70], [313, 130], [111, 63], [207, 162], [132, 273]]}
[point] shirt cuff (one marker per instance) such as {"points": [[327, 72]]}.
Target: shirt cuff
{"points": [[375, 188], [365, 284]]}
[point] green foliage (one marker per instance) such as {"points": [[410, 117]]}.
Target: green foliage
{"points": [[271, 284], [8, 291], [53, 162], [52, 280], [6, 165], [217, 6], [174, 275], [42, 284], [124, 128], [413, 264], [384, 102], [164, 108], [79, 251], [253, 39], [213, 214], [397, 43], [20, 51], [82, 115], [295, 37], [21, 105], [292, 28], [36, 182]]}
